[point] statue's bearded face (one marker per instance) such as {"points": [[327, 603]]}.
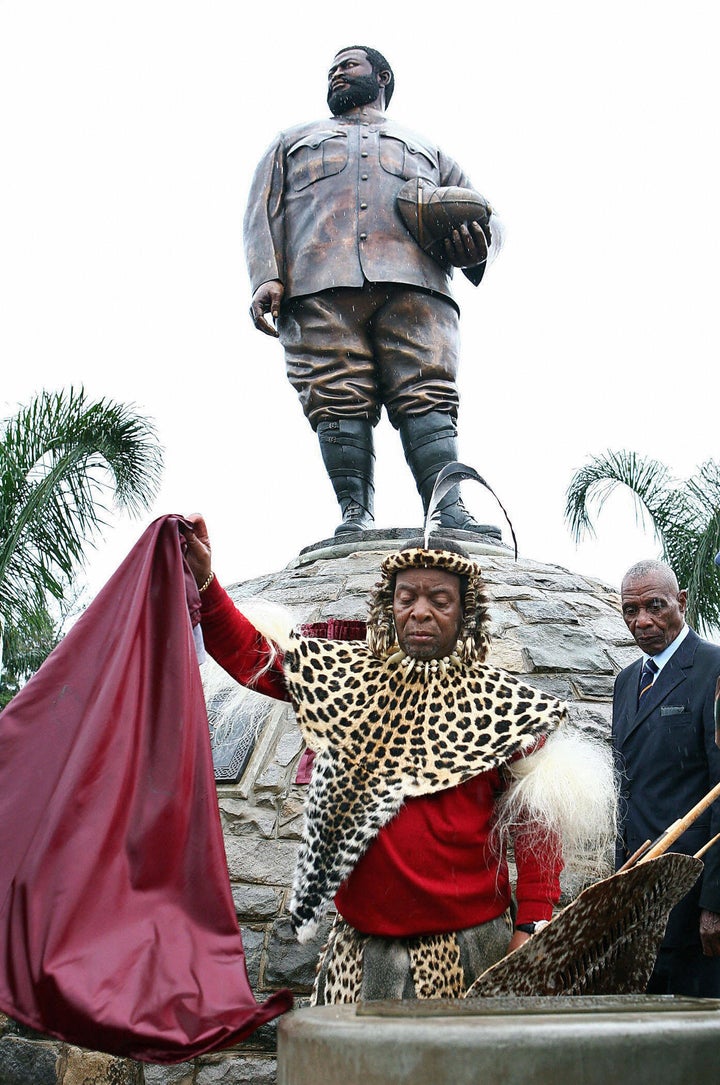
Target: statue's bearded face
{"points": [[351, 82]]}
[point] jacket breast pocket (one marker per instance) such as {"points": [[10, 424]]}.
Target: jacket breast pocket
{"points": [[407, 160], [319, 155], [683, 736], [676, 718]]}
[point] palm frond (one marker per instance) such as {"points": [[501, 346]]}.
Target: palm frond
{"points": [[655, 492], [61, 458], [685, 517], [704, 489], [26, 647], [703, 578]]}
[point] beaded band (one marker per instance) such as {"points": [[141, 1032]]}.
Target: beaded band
{"points": [[207, 583]]}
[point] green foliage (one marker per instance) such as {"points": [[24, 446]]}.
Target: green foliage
{"points": [[24, 649], [62, 457], [685, 516]]}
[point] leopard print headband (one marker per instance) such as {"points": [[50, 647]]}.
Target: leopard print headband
{"points": [[418, 558]]}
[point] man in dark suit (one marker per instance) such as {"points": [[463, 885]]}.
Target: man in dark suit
{"points": [[664, 741]]}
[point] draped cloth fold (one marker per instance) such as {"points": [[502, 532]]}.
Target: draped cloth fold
{"points": [[117, 925]]}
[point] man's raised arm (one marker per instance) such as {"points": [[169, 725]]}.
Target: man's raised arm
{"points": [[231, 639]]}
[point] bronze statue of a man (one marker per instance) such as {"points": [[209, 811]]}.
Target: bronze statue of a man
{"points": [[363, 311]]}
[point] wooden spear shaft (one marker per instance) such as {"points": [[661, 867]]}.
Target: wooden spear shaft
{"points": [[635, 856], [678, 827], [706, 847]]}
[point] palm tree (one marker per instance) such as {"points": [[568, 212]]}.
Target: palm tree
{"points": [[61, 457], [685, 516]]}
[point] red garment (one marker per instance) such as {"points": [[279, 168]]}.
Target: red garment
{"points": [[117, 926], [432, 868]]}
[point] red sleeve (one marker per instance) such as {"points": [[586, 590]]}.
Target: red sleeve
{"points": [[539, 862], [236, 645], [538, 875]]}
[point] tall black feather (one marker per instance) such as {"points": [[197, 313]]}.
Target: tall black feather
{"points": [[452, 474]]}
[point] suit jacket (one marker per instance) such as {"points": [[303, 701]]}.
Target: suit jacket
{"points": [[668, 760], [322, 209]]}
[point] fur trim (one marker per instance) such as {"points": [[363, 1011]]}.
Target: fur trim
{"points": [[567, 789], [226, 700], [228, 703], [273, 620]]}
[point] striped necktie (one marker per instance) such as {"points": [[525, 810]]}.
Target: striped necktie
{"points": [[647, 678]]}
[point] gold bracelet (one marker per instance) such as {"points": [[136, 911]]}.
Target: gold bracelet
{"points": [[207, 583]]}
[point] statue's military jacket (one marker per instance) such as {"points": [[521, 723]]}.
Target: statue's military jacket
{"points": [[322, 210]]}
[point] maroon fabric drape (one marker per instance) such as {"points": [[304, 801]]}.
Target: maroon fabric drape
{"points": [[117, 926]]}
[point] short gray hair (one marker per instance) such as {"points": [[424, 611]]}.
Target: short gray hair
{"points": [[651, 567]]}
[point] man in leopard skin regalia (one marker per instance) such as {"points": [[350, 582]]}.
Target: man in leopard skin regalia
{"points": [[428, 761]]}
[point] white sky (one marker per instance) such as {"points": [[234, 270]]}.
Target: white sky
{"points": [[129, 130]]}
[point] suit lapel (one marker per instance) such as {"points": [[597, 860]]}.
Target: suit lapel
{"points": [[626, 703], [672, 675]]}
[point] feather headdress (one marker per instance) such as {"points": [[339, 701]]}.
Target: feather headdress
{"points": [[452, 474]]}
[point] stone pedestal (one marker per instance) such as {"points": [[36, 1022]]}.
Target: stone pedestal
{"points": [[650, 1040]]}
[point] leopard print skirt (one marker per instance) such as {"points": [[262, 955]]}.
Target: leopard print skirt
{"points": [[355, 967]]}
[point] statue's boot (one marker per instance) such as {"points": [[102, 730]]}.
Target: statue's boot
{"points": [[347, 451], [430, 442]]}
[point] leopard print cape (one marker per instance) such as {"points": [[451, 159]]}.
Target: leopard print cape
{"points": [[381, 736]]}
